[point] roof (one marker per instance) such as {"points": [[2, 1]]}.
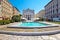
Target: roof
{"points": [[49, 3], [16, 8], [28, 9]]}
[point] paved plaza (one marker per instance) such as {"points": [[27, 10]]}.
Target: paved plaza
{"points": [[13, 37]]}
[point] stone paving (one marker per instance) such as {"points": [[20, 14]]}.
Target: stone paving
{"points": [[13, 37]]}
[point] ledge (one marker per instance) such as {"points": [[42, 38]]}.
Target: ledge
{"points": [[30, 33]]}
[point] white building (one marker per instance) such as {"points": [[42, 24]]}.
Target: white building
{"points": [[28, 14], [52, 10]]}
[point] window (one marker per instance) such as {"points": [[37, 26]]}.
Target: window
{"points": [[53, 6], [59, 18], [57, 10], [53, 11]]}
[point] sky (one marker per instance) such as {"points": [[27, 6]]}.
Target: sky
{"points": [[36, 5]]}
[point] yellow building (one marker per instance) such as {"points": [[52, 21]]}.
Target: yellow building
{"points": [[7, 9], [15, 11], [0, 10], [40, 14], [0, 13]]}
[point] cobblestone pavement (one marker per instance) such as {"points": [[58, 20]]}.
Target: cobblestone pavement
{"points": [[13, 37]]}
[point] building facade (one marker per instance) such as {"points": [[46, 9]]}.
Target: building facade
{"points": [[0, 10], [15, 11], [52, 10], [28, 14], [40, 14], [7, 10]]}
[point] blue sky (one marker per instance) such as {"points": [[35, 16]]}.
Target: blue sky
{"points": [[36, 5]]}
